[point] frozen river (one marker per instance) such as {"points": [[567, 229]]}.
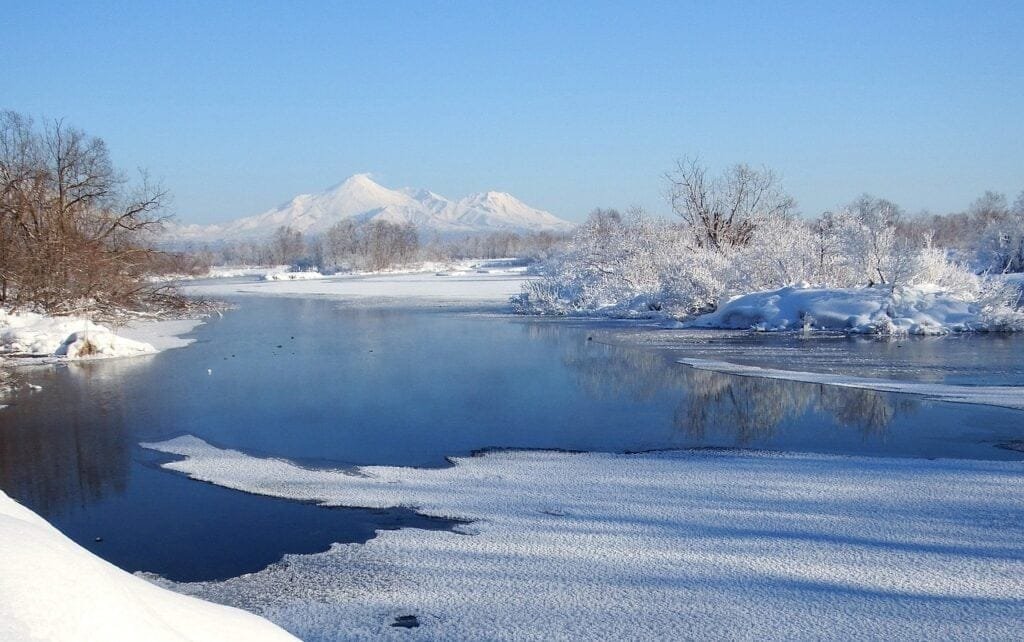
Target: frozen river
{"points": [[324, 382]]}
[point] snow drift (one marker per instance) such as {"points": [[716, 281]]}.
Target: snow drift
{"points": [[52, 589], [292, 276], [31, 334], [919, 310], [669, 545]]}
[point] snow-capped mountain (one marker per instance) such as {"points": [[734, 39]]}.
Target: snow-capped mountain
{"points": [[361, 199]]}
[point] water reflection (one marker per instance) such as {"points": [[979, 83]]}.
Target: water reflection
{"points": [[968, 358], [56, 460], [320, 381], [742, 410]]}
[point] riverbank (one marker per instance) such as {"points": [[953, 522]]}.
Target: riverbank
{"points": [[691, 543], [52, 589], [27, 337], [460, 288]]}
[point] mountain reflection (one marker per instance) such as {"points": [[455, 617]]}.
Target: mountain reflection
{"points": [[712, 405]]}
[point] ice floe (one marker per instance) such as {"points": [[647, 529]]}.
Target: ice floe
{"points": [[1003, 396], [667, 545]]}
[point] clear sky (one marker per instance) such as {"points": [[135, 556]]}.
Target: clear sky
{"points": [[236, 107]]}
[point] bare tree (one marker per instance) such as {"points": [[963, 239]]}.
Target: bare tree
{"points": [[387, 244], [723, 211], [72, 231], [287, 246], [341, 244], [990, 207]]}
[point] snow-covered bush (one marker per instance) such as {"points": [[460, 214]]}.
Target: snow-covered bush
{"points": [[1002, 243], [625, 266], [989, 235], [923, 309], [870, 248], [781, 251], [882, 282], [639, 266]]}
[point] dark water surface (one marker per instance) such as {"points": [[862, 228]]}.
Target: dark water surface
{"points": [[338, 385]]}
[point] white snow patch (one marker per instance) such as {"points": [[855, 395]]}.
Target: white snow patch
{"points": [[1002, 396], [292, 276], [221, 272], [228, 272], [162, 334], [52, 589], [31, 334], [674, 545], [27, 334], [420, 287], [908, 310]]}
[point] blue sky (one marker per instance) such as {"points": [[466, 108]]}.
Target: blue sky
{"points": [[237, 107]]}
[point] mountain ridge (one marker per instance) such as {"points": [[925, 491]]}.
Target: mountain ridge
{"points": [[362, 199]]}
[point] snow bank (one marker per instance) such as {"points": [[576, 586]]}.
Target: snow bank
{"points": [[1002, 396], [292, 276], [409, 289], [164, 334], [220, 272], [907, 310], [52, 589], [680, 545], [31, 334], [229, 272]]}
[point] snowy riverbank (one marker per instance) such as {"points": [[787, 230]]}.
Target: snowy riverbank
{"points": [[675, 544], [53, 589], [488, 288], [504, 266], [32, 335], [906, 310]]}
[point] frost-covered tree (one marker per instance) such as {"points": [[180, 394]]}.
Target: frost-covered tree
{"points": [[990, 207], [612, 262], [781, 251], [870, 244], [1001, 244], [724, 210], [831, 266], [634, 265]]}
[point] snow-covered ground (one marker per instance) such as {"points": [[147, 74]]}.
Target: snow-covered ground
{"points": [[292, 276], [1002, 396], [671, 545], [907, 310], [53, 589], [466, 285], [221, 272], [165, 334], [506, 266], [232, 271], [28, 334]]}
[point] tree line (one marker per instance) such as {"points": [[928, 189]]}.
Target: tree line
{"points": [[738, 232], [350, 245]]}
